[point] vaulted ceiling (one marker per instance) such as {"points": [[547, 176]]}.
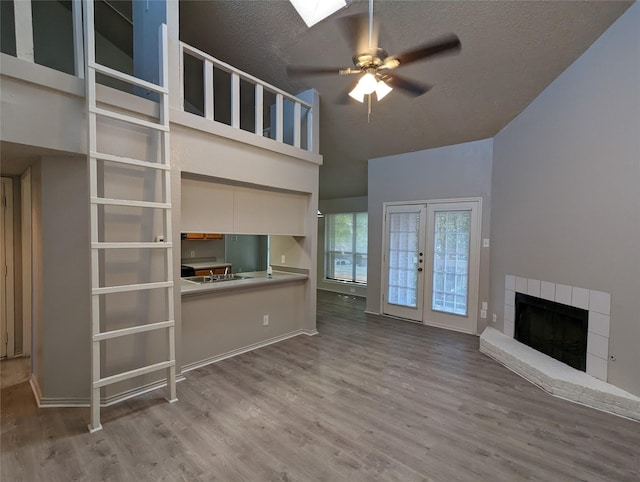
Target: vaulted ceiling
{"points": [[511, 50]]}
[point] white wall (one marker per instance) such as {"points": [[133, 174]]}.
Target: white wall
{"points": [[459, 171], [565, 198]]}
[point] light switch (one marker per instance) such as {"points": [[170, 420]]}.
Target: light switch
{"points": [[283, 260], [485, 243], [483, 313], [485, 305]]}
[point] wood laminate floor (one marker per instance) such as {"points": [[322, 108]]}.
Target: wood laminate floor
{"points": [[368, 398]]}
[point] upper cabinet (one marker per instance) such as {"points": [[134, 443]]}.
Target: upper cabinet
{"points": [[222, 208], [192, 236]]}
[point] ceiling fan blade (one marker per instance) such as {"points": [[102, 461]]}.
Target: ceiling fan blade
{"points": [[410, 87], [301, 71], [355, 29], [445, 45]]}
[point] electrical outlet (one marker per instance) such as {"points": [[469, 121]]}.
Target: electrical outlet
{"points": [[483, 313], [283, 259], [352, 290], [193, 254], [159, 238], [265, 320], [495, 317]]}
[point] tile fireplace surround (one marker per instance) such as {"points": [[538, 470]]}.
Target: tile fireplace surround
{"points": [[555, 377]]}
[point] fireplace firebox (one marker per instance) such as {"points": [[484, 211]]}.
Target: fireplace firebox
{"points": [[554, 329]]}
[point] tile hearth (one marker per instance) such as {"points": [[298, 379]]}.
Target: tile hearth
{"points": [[557, 378]]}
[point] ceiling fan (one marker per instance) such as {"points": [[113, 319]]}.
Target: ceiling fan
{"points": [[375, 65]]}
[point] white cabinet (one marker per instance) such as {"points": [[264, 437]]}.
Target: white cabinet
{"points": [[222, 208], [206, 207]]}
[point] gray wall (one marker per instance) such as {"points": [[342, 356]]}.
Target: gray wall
{"points": [[459, 171], [61, 319], [566, 201], [332, 206]]}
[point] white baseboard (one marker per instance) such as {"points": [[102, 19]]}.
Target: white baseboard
{"points": [[121, 397], [84, 402], [246, 349]]}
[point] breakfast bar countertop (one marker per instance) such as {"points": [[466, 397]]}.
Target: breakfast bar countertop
{"points": [[250, 279]]}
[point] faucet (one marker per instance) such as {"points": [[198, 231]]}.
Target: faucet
{"points": [[211, 274], [226, 272]]}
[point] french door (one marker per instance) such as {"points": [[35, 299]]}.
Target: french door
{"points": [[431, 263], [404, 280]]}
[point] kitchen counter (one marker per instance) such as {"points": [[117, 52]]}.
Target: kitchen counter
{"points": [[253, 279]]}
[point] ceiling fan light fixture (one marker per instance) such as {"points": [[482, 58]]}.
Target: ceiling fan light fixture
{"points": [[357, 94], [365, 86], [382, 89]]}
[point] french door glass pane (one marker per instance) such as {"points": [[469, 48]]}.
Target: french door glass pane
{"points": [[403, 259], [451, 262]]}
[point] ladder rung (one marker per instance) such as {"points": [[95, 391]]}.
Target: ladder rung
{"points": [[130, 203], [105, 290], [130, 245], [128, 118], [129, 161], [107, 335], [133, 373], [116, 74]]}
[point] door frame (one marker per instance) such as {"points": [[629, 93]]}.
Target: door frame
{"points": [[7, 289], [27, 260], [473, 309]]}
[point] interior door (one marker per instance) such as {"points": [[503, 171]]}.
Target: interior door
{"points": [[452, 264], [404, 260]]}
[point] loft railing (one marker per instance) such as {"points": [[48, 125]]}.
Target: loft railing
{"points": [[219, 92]]}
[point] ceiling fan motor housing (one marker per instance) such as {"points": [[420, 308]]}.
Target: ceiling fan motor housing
{"points": [[372, 59]]}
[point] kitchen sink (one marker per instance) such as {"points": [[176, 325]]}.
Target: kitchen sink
{"points": [[198, 279], [216, 278]]}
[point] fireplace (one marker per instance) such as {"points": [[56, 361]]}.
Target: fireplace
{"points": [[596, 303], [552, 328]]}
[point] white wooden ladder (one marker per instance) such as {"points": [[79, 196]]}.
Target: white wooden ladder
{"points": [[99, 236]]}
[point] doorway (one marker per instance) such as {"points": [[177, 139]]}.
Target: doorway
{"points": [[431, 262]]}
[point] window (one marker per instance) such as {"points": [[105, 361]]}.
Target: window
{"points": [[345, 252]]}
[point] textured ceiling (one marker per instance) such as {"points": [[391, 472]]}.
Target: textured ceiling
{"points": [[511, 50]]}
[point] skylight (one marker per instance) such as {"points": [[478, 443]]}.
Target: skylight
{"points": [[313, 11]]}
